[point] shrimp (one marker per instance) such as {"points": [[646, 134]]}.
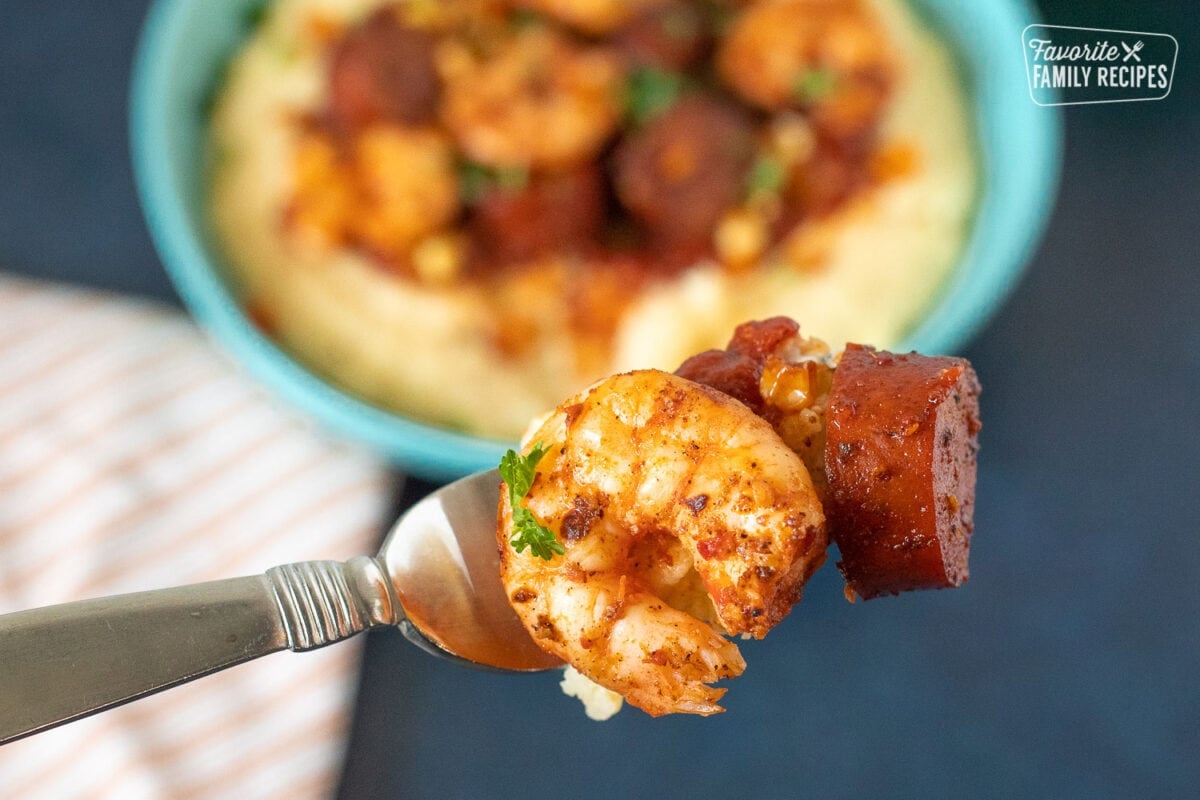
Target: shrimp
{"points": [[829, 56], [539, 101], [395, 186], [408, 183], [677, 507]]}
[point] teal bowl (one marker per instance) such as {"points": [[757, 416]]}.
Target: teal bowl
{"points": [[180, 58]]}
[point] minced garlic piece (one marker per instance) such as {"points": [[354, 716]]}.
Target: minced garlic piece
{"points": [[741, 237]]}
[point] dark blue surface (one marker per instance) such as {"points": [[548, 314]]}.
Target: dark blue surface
{"points": [[1065, 668]]}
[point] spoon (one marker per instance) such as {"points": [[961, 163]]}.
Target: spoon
{"points": [[437, 578]]}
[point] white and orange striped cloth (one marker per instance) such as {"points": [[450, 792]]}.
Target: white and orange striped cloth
{"points": [[134, 456]]}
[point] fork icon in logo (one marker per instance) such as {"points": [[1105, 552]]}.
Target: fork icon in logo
{"points": [[1132, 52]]}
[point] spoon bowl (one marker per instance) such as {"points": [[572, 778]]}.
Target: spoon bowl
{"points": [[446, 578], [436, 577]]}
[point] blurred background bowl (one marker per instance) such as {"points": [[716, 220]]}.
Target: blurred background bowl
{"points": [[181, 57]]}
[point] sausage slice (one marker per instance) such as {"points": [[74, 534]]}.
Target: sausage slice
{"points": [[383, 71], [670, 36], [900, 454], [685, 168], [554, 211], [737, 370]]}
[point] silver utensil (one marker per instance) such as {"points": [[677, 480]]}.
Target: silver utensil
{"points": [[436, 578]]}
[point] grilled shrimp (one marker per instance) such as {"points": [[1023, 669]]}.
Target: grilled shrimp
{"points": [[676, 507], [828, 56], [408, 184], [539, 101], [396, 185]]}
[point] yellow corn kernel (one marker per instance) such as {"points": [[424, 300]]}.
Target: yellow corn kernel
{"points": [[438, 259], [741, 238], [792, 138]]}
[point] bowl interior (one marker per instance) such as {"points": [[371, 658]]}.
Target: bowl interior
{"points": [[181, 55], [1019, 150]]}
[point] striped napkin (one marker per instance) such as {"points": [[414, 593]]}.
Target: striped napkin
{"points": [[134, 456]]}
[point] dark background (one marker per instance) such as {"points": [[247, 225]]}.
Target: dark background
{"points": [[1067, 667]]}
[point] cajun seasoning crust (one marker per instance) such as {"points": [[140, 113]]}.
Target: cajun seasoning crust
{"points": [[674, 505], [902, 440]]}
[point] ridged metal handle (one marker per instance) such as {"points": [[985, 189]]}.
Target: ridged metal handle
{"points": [[319, 605], [64, 662]]}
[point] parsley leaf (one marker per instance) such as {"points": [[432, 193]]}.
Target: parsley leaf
{"points": [[528, 532], [815, 84], [476, 180], [650, 92], [512, 179], [767, 177], [473, 180], [255, 13], [518, 472]]}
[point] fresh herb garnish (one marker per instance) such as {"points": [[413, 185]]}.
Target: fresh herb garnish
{"points": [[767, 177], [815, 84], [255, 13], [522, 18], [650, 92], [475, 180], [512, 179], [518, 472]]}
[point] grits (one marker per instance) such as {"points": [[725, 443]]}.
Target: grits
{"points": [[428, 348]]}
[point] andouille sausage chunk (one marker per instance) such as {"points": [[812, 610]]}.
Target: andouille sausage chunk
{"points": [[670, 36], [383, 71], [737, 370], [554, 211], [900, 455], [680, 173], [782, 376]]}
